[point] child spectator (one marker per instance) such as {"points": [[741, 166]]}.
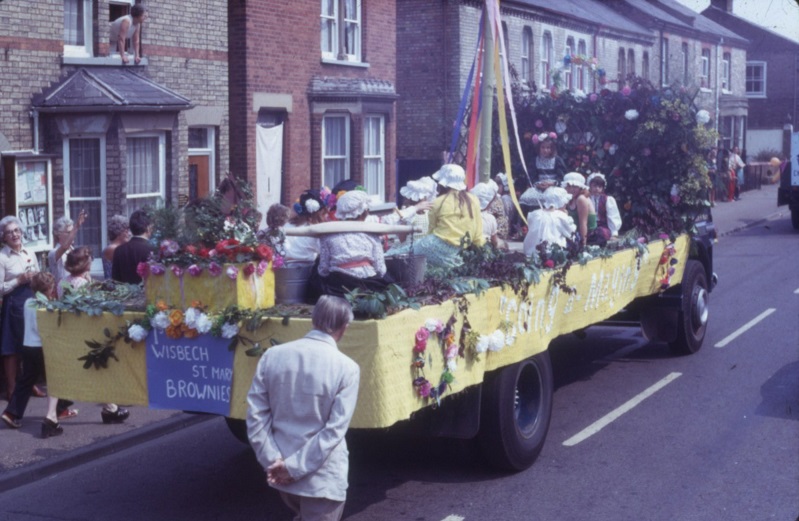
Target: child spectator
{"points": [[78, 265]]}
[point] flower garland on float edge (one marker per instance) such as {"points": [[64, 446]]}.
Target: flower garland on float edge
{"points": [[666, 263], [176, 324]]}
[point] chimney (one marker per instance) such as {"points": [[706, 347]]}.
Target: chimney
{"points": [[724, 5]]}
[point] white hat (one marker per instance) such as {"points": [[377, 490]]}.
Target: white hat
{"points": [[451, 176], [420, 189], [555, 197], [351, 205], [597, 175], [503, 178], [484, 193], [574, 179]]}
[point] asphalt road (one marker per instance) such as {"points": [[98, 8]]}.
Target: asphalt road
{"points": [[636, 434]]}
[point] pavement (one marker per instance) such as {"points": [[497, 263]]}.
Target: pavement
{"points": [[25, 457]]}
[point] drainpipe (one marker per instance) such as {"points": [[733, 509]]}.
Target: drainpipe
{"points": [[718, 89], [34, 114]]}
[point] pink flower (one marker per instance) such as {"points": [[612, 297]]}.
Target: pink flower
{"points": [[419, 347], [143, 270], [212, 253], [663, 236], [278, 262], [248, 270], [593, 97], [261, 268], [626, 91], [232, 272], [177, 270], [214, 269], [195, 270], [553, 135], [424, 389], [422, 334], [539, 123], [452, 352], [157, 269], [549, 263], [169, 247]]}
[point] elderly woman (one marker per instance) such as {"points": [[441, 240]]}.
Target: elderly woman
{"points": [[17, 267], [309, 209], [118, 234], [352, 260], [64, 232], [454, 215]]}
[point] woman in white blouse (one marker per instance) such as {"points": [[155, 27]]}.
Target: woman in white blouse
{"points": [[17, 267], [354, 259], [310, 209]]}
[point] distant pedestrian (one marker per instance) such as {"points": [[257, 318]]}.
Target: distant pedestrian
{"points": [[118, 234], [737, 171], [128, 256], [300, 405]]}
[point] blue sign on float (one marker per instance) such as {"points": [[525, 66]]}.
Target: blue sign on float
{"points": [[189, 374]]}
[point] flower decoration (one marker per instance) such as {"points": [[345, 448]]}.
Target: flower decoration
{"points": [[194, 270], [232, 272], [214, 269], [450, 350], [143, 270], [137, 333], [703, 117], [229, 330], [157, 269], [248, 269], [177, 270], [312, 206], [631, 115]]}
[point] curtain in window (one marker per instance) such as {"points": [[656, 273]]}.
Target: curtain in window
{"points": [[73, 22], [373, 163], [335, 150], [143, 175], [527, 44], [351, 27], [90, 234], [328, 26]]}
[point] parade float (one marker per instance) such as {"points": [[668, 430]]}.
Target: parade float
{"points": [[469, 345]]}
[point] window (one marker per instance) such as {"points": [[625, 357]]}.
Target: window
{"points": [[84, 161], [202, 152], [568, 72], [645, 65], [664, 62], [622, 66], [684, 59], [374, 157], [581, 70], [505, 41], [756, 79], [527, 54], [546, 59], [146, 164], [725, 71], [706, 68], [335, 149], [631, 62], [78, 28], [338, 44]]}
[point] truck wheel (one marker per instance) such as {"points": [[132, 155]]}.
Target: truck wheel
{"points": [[238, 428], [795, 218], [693, 315], [515, 413]]}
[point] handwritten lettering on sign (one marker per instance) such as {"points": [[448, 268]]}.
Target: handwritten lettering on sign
{"points": [[189, 374]]}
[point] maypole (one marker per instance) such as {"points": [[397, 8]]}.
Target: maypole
{"points": [[487, 100]]}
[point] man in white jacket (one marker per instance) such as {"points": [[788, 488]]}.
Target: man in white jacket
{"points": [[301, 402]]}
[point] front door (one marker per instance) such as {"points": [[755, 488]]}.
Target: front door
{"points": [[199, 178]]}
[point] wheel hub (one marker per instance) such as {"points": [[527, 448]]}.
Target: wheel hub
{"points": [[700, 307]]}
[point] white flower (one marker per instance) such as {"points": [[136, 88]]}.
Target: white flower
{"points": [[496, 341], [160, 320], [230, 330], [137, 333], [203, 324], [613, 148], [675, 190], [312, 205], [452, 365], [510, 338], [482, 344], [433, 324], [579, 95], [190, 317], [702, 117], [560, 126], [631, 114]]}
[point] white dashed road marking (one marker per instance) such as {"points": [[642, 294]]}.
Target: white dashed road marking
{"points": [[745, 327]]}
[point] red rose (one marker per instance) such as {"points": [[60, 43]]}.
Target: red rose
{"points": [[244, 249], [203, 252], [249, 269], [192, 250], [549, 263], [264, 252]]}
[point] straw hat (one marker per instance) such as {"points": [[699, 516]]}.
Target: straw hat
{"points": [[420, 189], [451, 176], [484, 193], [574, 179], [597, 175], [351, 205]]}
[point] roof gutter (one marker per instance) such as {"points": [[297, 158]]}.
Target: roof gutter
{"points": [[122, 108]]}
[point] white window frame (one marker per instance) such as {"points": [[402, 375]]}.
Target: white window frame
{"points": [[527, 55], [209, 151], [378, 193], [161, 167], [763, 66], [347, 148], [97, 264], [546, 59], [705, 59], [684, 55], [85, 50], [725, 72], [338, 32], [568, 72]]}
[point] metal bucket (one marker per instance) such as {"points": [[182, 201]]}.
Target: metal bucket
{"points": [[407, 269], [291, 283]]}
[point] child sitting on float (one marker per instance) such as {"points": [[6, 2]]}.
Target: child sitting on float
{"points": [[309, 209], [351, 260], [547, 170], [580, 207], [273, 236], [485, 193], [550, 223], [454, 215], [422, 190], [607, 211], [78, 265]]}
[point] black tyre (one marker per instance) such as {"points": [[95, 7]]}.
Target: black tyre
{"points": [[795, 218], [238, 428], [693, 315], [515, 412]]}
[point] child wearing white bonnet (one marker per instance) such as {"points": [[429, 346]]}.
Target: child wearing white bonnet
{"points": [[549, 223]]}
